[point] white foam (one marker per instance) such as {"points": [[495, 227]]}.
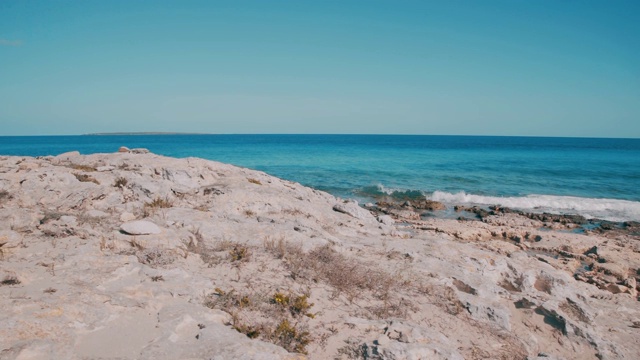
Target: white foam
{"points": [[606, 209]]}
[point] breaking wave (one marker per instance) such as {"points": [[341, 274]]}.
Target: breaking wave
{"points": [[606, 209]]}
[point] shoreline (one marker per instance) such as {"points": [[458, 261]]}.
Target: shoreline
{"points": [[138, 256]]}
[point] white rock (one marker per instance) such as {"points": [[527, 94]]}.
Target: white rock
{"points": [[385, 219], [140, 227], [105, 168], [127, 216], [67, 156], [123, 149], [140, 151], [353, 209]]}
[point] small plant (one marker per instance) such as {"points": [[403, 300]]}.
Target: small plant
{"points": [[296, 305], [252, 332], [290, 337], [49, 290], [239, 253], [249, 213], [120, 183], [254, 181], [228, 301], [86, 178], [282, 249], [4, 195], [124, 166], [159, 203], [156, 278], [10, 280]]}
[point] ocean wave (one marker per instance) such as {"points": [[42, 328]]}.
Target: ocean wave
{"points": [[377, 191], [606, 209]]}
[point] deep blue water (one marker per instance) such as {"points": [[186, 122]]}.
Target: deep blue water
{"points": [[595, 177]]}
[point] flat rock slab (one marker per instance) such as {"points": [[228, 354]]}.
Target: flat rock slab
{"points": [[353, 209], [140, 227]]}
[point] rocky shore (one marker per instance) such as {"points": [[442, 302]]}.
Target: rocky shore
{"points": [[132, 255]]}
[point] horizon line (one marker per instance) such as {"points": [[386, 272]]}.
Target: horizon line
{"points": [[168, 133]]}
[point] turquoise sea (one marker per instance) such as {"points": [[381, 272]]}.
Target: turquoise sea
{"points": [[593, 177]]}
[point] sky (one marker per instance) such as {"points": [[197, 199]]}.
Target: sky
{"points": [[523, 68]]}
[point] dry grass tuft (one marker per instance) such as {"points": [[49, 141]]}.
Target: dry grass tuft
{"points": [[155, 257], [120, 182], [220, 251], [240, 253], [282, 249], [159, 203], [86, 178], [347, 276], [268, 318], [290, 337], [5, 195], [10, 280], [254, 181]]}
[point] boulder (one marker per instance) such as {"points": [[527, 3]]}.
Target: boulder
{"points": [[352, 208], [140, 227], [123, 149], [140, 151], [67, 156]]}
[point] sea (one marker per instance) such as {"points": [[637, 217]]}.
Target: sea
{"points": [[594, 177]]}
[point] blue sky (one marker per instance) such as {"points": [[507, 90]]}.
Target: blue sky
{"points": [[533, 68]]}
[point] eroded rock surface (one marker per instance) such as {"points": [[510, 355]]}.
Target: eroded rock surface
{"points": [[240, 264]]}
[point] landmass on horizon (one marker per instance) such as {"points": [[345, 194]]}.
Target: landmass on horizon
{"points": [[144, 133]]}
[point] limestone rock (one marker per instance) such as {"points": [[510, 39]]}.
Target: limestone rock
{"points": [[352, 208], [140, 227], [105, 168], [98, 214], [385, 219], [123, 149], [127, 216]]}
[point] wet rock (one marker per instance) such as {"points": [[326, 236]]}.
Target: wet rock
{"points": [[428, 205], [140, 227]]}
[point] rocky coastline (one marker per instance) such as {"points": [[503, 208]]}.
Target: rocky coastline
{"points": [[132, 255]]}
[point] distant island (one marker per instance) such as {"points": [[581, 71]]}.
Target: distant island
{"points": [[143, 133]]}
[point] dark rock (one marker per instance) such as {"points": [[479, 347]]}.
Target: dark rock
{"points": [[428, 205]]}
